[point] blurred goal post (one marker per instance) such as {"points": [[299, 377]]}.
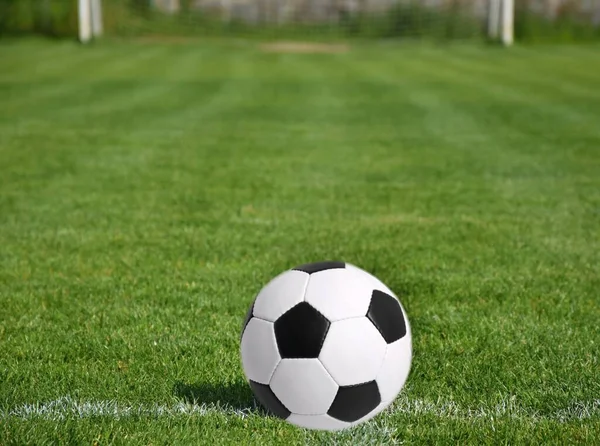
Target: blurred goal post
{"points": [[90, 19], [500, 20]]}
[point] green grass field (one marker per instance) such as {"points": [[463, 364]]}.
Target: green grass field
{"points": [[149, 190]]}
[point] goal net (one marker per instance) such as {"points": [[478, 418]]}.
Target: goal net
{"points": [[441, 19], [307, 19]]}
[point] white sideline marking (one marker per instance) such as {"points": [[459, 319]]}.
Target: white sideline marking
{"points": [[509, 408], [67, 407]]}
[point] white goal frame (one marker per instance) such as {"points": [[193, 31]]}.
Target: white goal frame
{"points": [[500, 23]]}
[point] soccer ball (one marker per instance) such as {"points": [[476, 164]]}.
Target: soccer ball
{"points": [[326, 346]]}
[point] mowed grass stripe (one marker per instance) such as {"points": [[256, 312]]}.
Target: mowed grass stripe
{"points": [[28, 59], [508, 86], [22, 99], [569, 63], [554, 65], [515, 129], [508, 83], [150, 104]]}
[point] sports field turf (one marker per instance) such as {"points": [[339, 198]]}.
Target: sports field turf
{"points": [[148, 191]]}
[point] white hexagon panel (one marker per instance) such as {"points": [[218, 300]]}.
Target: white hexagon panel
{"points": [[303, 386], [353, 351], [259, 364], [339, 293], [395, 368], [374, 282], [280, 294]]}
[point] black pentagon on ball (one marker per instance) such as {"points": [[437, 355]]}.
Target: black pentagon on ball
{"points": [[386, 315], [300, 332], [354, 402], [269, 400], [312, 268]]}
